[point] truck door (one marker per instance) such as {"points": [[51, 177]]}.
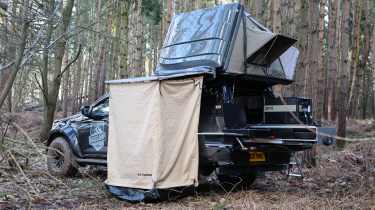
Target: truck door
{"points": [[93, 132]]}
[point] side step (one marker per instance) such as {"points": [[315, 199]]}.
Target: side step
{"points": [[92, 161]]}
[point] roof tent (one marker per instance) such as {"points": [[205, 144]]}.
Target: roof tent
{"points": [[227, 40]]}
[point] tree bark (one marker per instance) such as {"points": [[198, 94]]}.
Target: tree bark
{"points": [[314, 73], [343, 73], [77, 75], [332, 43], [101, 71], [9, 50], [322, 75], [54, 88], [135, 49], [124, 41], [373, 59], [66, 86], [19, 54], [367, 80], [356, 74], [276, 17], [303, 37]]}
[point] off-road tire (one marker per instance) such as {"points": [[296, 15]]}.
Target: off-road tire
{"points": [[60, 159]]}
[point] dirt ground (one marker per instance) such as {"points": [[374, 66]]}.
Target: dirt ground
{"points": [[342, 180]]}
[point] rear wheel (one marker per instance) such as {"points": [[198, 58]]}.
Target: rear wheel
{"points": [[60, 159]]}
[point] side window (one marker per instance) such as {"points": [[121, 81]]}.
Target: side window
{"points": [[101, 109]]}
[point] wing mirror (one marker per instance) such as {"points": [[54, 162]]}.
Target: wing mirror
{"points": [[86, 111]]}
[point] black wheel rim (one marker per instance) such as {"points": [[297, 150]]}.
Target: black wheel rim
{"points": [[58, 158]]}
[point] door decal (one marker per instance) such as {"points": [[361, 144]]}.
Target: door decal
{"points": [[97, 136]]}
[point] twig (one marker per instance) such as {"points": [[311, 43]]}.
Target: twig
{"points": [[7, 66], [72, 61], [22, 172], [4, 133], [27, 136], [40, 87]]}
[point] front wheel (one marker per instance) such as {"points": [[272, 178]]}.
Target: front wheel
{"points": [[60, 159]]}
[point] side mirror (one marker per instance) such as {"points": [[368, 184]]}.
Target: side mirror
{"points": [[86, 111]]}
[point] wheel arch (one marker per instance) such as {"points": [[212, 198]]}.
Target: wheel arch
{"points": [[53, 135], [70, 139]]}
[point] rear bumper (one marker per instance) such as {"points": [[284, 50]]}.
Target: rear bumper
{"points": [[231, 149], [276, 158]]}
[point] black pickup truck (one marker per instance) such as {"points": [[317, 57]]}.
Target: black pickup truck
{"points": [[244, 127]]}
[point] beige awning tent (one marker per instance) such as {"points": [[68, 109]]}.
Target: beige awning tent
{"points": [[153, 127]]}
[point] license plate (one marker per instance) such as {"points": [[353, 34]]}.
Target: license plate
{"points": [[257, 157]]}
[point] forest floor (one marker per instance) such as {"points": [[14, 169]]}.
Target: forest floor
{"points": [[342, 180]]}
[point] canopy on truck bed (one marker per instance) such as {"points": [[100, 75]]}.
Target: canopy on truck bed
{"points": [[230, 41]]}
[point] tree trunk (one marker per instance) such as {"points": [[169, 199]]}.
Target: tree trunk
{"points": [[258, 8], [96, 48], [373, 60], [101, 70], [66, 86], [44, 72], [356, 75], [135, 52], [367, 80], [19, 53], [276, 17], [303, 37], [77, 74], [343, 73], [124, 41], [53, 90], [332, 43], [322, 75], [314, 73]]}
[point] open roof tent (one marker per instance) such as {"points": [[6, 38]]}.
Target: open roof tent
{"points": [[229, 41]]}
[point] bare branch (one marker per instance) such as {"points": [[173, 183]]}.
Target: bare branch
{"points": [[68, 36], [72, 61], [40, 87], [7, 66]]}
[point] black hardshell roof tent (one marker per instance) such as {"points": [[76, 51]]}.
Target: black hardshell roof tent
{"points": [[228, 41]]}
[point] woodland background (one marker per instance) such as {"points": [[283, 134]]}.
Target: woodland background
{"points": [[56, 54]]}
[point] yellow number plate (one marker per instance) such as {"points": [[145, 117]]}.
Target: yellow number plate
{"points": [[257, 157]]}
